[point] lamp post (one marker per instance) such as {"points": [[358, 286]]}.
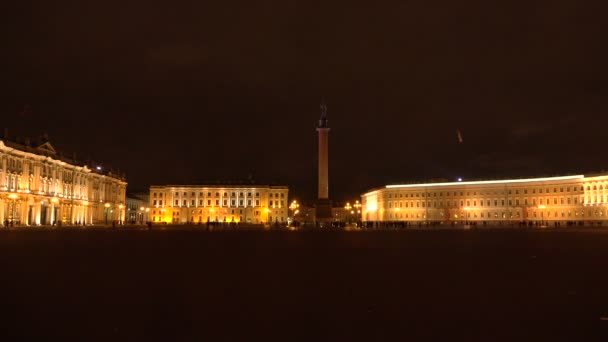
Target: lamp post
{"points": [[348, 208], [357, 207], [294, 207], [141, 219], [120, 220], [267, 215], [541, 207], [107, 207]]}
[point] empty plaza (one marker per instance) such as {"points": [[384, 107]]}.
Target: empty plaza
{"points": [[192, 284]]}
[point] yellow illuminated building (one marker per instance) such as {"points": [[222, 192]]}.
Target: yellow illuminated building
{"points": [[577, 198], [40, 187], [253, 204]]}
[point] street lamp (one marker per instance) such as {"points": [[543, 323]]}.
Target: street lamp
{"points": [[294, 207], [141, 220], [348, 207], [357, 207], [541, 207], [267, 215], [466, 215], [107, 205], [120, 206]]}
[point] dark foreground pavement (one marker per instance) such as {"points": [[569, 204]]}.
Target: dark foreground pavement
{"points": [[477, 285]]}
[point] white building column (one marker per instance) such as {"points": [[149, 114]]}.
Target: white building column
{"points": [[37, 213], [52, 213], [2, 210]]}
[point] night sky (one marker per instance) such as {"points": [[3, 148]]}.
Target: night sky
{"points": [[183, 92]]}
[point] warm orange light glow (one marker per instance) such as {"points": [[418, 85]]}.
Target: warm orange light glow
{"points": [[85, 202], [120, 206], [107, 205], [541, 207], [141, 208], [13, 196], [54, 200]]}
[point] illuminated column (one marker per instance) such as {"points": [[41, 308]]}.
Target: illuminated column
{"points": [[323, 129], [37, 213], [53, 203], [323, 213], [2, 206]]}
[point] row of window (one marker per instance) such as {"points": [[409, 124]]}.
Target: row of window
{"points": [[503, 215], [510, 192], [48, 171], [217, 194], [489, 203], [232, 211], [233, 203]]}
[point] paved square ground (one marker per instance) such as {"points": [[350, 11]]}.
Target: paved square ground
{"points": [[184, 285]]}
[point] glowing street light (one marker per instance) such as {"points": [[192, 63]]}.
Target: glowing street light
{"points": [[107, 207], [294, 207], [120, 207], [357, 207], [542, 218], [141, 220]]}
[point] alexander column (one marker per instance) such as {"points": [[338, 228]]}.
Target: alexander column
{"points": [[323, 208]]}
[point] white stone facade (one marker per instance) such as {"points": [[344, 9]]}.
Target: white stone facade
{"points": [[255, 204], [575, 198], [38, 187]]}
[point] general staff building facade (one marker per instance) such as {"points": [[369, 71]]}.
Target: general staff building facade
{"points": [[246, 203], [39, 187], [576, 198]]}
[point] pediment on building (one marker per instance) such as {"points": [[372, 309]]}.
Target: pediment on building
{"points": [[47, 147]]}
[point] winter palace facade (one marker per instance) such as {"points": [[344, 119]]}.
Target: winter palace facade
{"points": [[40, 187]]}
